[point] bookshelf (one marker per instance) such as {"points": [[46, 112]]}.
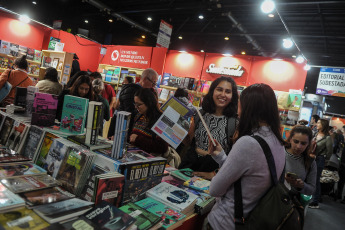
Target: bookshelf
{"points": [[114, 75], [60, 60], [10, 60]]}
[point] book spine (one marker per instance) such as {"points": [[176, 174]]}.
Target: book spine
{"points": [[96, 124], [90, 119]]}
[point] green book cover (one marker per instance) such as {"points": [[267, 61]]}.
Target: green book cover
{"points": [[74, 114], [183, 174], [144, 219]]}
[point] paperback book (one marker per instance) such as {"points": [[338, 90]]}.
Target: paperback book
{"points": [[22, 218], [45, 196], [20, 96], [16, 138], [199, 184], [6, 129], [94, 120], [46, 143], [14, 49], [19, 170], [9, 200], [29, 183], [5, 47], [107, 216], [33, 142], [38, 56], [121, 132], [29, 100], [89, 188], [109, 188], [44, 109], [8, 156], [30, 54], [183, 174], [144, 219], [22, 51], [74, 114]]}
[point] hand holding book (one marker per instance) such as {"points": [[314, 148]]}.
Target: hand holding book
{"points": [[214, 150]]}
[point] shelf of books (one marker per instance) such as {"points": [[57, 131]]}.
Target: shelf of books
{"points": [[65, 175], [61, 61], [115, 75]]}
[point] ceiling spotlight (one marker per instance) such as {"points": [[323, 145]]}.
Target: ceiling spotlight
{"points": [[149, 19], [278, 59], [180, 37], [271, 15], [243, 53], [34, 2], [293, 56], [110, 20], [86, 21], [227, 55], [201, 17], [202, 51], [24, 18], [300, 59], [226, 38], [143, 36], [267, 6], [287, 43], [307, 67], [183, 51]]}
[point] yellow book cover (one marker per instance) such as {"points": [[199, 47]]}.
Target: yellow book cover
{"points": [[22, 219]]}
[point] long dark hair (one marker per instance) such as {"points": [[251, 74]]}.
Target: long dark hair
{"points": [[259, 104], [325, 126], [208, 103], [75, 77], [305, 131], [51, 74], [81, 80], [150, 100], [21, 62]]}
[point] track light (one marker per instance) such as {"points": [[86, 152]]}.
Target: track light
{"points": [[300, 59], [287, 43], [267, 6], [24, 18]]}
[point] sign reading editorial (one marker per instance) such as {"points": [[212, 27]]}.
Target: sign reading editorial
{"points": [[331, 82]]}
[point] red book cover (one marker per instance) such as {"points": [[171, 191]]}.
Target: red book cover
{"points": [[110, 190]]}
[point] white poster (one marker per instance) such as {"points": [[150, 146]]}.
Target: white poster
{"points": [[164, 34], [331, 82]]}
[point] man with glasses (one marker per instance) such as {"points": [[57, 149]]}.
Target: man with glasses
{"points": [[148, 79]]}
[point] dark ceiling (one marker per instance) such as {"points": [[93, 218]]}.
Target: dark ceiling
{"points": [[317, 27]]}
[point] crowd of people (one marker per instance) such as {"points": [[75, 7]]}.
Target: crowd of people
{"points": [[233, 121]]}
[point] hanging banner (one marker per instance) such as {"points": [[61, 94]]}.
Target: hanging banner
{"points": [[164, 34], [331, 82]]}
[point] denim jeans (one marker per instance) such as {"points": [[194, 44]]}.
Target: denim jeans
{"points": [[320, 163]]}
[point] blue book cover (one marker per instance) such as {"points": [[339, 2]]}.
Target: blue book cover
{"points": [[74, 114]]}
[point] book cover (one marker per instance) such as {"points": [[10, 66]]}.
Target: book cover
{"points": [[110, 189], [196, 101], [166, 77], [23, 50], [104, 151], [105, 162], [47, 61], [29, 183], [72, 168], [89, 188], [74, 114], [186, 82], [144, 219], [82, 223], [183, 174], [55, 157], [9, 199], [5, 47], [52, 43], [22, 169], [198, 183], [46, 196], [59, 208], [30, 54], [6, 129], [29, 100], [14, 49], [107, 216], [172, 81], [44, 109], [17, 136], [168, 215], [38, 56], [47, 142], [173, 196], [20, 96], [22, 219], [191, 83], [7, 156], [164, 94], [33, 142], [94, 121]]}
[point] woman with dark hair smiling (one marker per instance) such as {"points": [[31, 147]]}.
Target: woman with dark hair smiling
{"points": [[82, 87], [219, 110], [145, 101], [50, 84], [246, 161]]}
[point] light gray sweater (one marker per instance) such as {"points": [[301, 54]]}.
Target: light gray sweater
{"points": [[247, 161]]}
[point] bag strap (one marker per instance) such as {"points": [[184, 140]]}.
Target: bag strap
{"points": [[239, 218]]}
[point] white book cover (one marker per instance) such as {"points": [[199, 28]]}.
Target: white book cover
{"points": [[30, 97], [172, 196], [5, 47]]}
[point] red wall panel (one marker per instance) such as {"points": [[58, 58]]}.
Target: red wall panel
{"points": [[158, 59], [184, 64], [20, 33]]}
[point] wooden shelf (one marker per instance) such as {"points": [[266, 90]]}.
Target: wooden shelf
{"points": [[53, 51], [59, 70]]}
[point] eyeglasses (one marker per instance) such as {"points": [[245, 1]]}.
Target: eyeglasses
{"points": [[153, 83], [137, 105]]}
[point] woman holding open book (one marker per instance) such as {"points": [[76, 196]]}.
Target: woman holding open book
{"points": [[145, 101], [219, 109], [246, 161]]}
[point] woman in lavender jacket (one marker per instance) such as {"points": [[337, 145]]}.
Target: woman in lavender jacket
{"points": [[246, 160]]}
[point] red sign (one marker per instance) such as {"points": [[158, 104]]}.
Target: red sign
{"points": [[217, 65], [128, 56]]}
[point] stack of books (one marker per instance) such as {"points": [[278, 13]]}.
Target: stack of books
{"points": [[121, 131]]}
